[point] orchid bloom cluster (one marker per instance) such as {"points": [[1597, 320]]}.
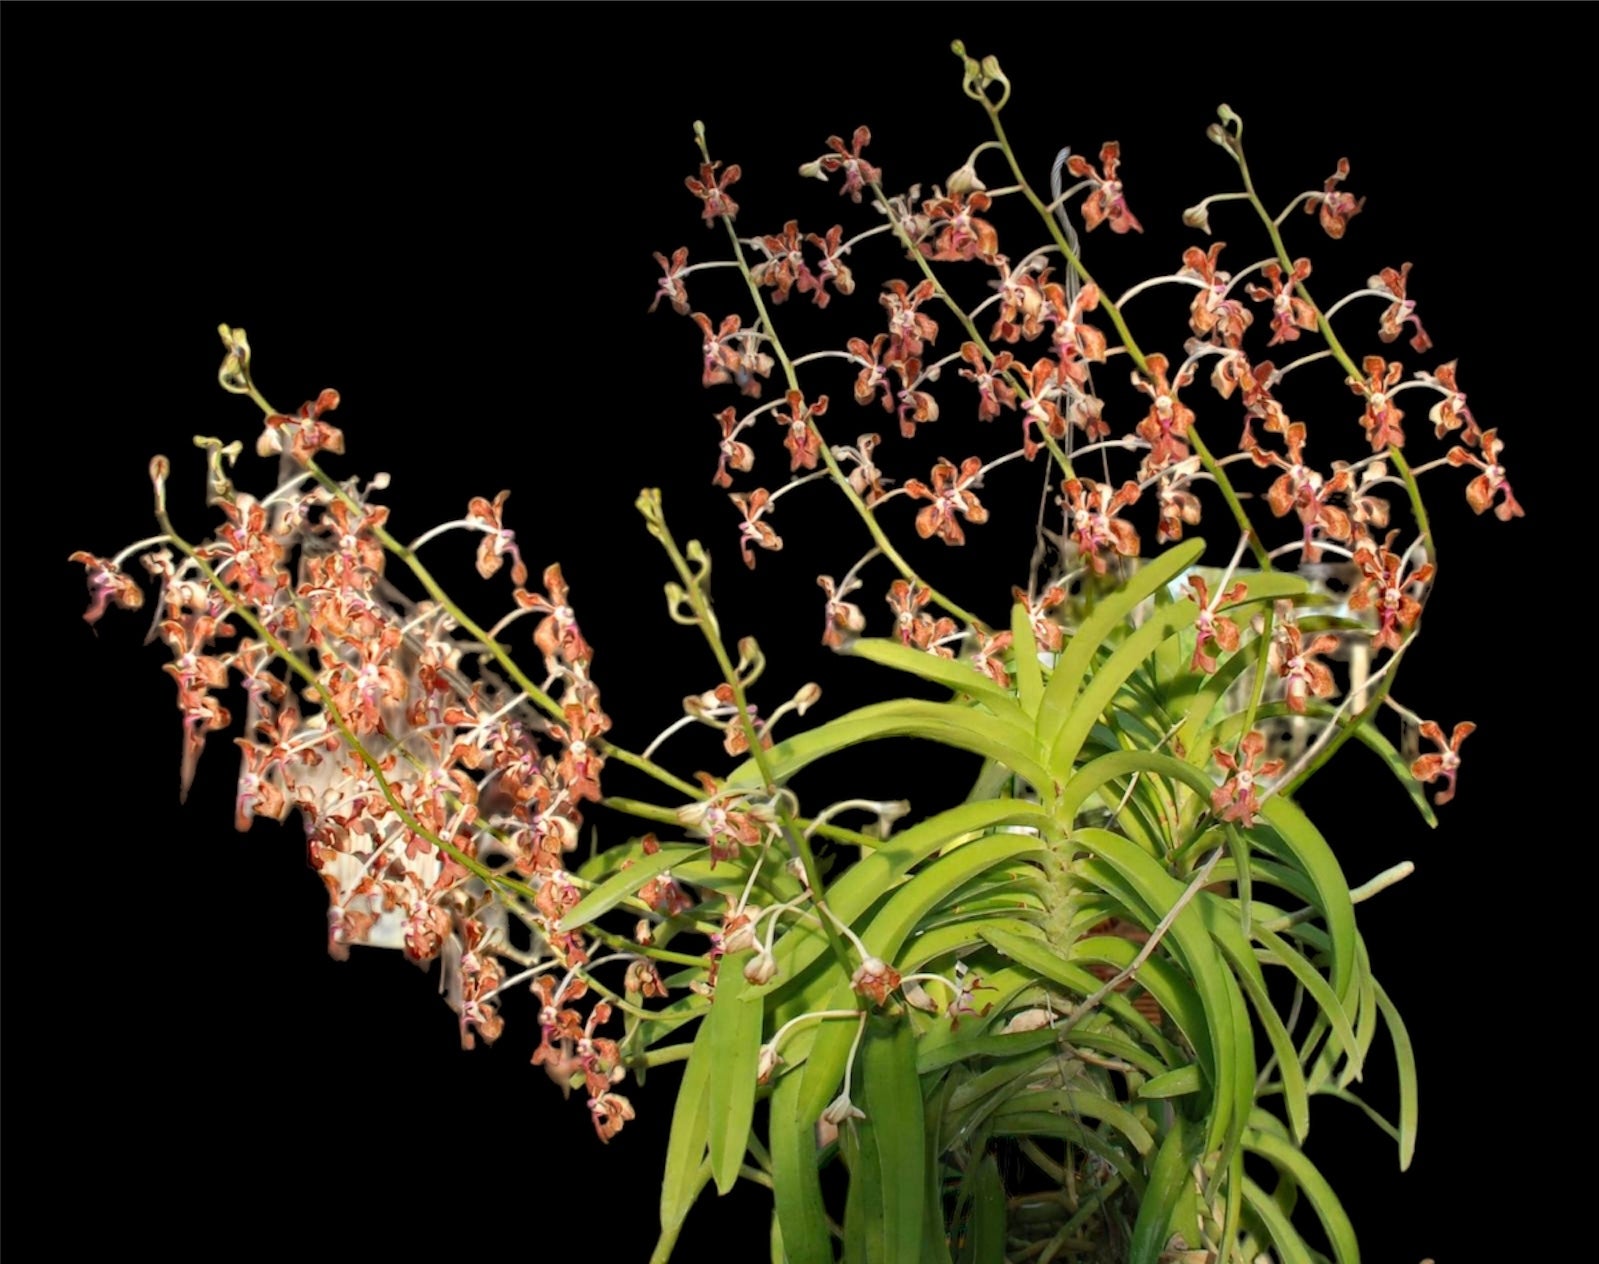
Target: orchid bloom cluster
{"points": [[442, 789], [438, 803], [1031, 350]]}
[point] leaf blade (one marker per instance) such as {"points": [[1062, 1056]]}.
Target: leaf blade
{"points": [[685, 1146], [733, 1031], [1283, 1155], [1109, 615], [611, 892], [796, 1180], [891, 1096], [1406, 1054], [957, 676]]}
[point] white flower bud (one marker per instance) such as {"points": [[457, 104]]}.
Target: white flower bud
{"points": [[915, 994], [761, 968], [964, 180], [840, 1109], [742, 937], [1027, 1020]]}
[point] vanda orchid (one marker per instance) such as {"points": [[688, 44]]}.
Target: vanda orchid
{"points": [[1088, 1012]]}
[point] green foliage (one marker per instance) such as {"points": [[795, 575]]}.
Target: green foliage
{"points": [[1039, 1024], [1144, 1115]]}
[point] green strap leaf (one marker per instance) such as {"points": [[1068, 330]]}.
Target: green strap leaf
{"points": [[1309, 850], [733, 1033], [1291, 1248], [796, 1180], [1320, 990], [934, 1231], [952, 937], [872, 875], [1159, 976], [982, 1045], [955, 675], [603, 898], [1407, 1075], [891, 1096], [697, 1180], [1220, 1043], [962, 727], [905, 910], [1107, 682], [985, 1228], [859, 1213], [685, 1146], [1107, 768], [1232, 1213], [1083, 1106], [1029, 675], [1243, 1085], [829, 1043], [1367, 1020], [1178, 1083], [1036, 955], [1283, 1155], [1169, 1178], [604, 864], [1223, 922], [1108, 617]]}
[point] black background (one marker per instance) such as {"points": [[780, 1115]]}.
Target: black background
{"points": [[447, 213]]}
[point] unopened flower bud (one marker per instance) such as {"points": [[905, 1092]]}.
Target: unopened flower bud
{"points": [[840, 1109], [761, 968], [767, 1063], [741, 938], [888, 812], [915, 994], [234, 375], [964, 180], [160, 467], [751, 662], [1027, 1020], [1198, 217]]}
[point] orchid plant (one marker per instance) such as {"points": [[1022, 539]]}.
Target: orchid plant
{"points": [[1078, 1015]]}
